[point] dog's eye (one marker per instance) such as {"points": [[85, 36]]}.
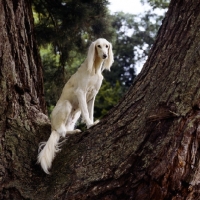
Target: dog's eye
{"points": [[106, 46], [99, 46]]}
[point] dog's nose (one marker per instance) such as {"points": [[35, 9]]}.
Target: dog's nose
{"points": [[104, 56]]}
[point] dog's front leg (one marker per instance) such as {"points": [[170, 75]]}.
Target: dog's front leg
{"points": [[81, 96], [91, 109]]}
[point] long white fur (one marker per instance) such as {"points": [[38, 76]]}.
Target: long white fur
{"points": [[77, 99]]}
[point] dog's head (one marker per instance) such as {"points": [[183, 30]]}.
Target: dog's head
{"points": [[103, 49]]}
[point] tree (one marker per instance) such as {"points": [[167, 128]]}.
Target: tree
{"points": [[22, 98], [147, 147]]}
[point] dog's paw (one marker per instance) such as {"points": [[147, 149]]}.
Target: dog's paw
{"points": [[77, 130], [90, 125], [74, 131], [96, 122]]}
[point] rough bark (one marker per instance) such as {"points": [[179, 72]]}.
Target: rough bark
{"points": [[21, 96], [147, 147]]}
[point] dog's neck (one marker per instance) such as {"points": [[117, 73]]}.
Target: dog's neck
{"points": [[98, 64]]}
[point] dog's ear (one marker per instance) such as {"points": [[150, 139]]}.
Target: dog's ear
{"points": [[109, 61], [91, 57]]}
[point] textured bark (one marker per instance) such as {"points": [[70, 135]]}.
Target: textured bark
{"points": [[21, 96], [147, 147]]}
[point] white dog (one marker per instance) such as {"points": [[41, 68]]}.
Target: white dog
{"points": [[77, 99]]}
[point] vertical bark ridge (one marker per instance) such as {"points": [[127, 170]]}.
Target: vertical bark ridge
{"points": [[22, 99]]}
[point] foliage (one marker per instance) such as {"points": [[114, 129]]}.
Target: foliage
{"points": [[133, 39], [162, 4], [54, 77], [107, 97], [70, 25]]}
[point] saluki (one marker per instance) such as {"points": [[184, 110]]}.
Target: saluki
{"points": [[77, 99]]}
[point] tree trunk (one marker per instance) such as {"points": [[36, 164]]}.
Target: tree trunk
{"points": [[22, 99], [147, 147]]}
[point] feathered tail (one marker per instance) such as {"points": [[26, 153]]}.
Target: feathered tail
{"points": [[47, 154]]}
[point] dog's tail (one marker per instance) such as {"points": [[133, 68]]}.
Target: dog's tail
{"points": [[47, 154]]}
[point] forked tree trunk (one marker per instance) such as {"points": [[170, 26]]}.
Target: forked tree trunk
{"points": [[147, 147]]}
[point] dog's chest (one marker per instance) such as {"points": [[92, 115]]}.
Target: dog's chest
{"points": [[91, 92], [93, 86]]}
